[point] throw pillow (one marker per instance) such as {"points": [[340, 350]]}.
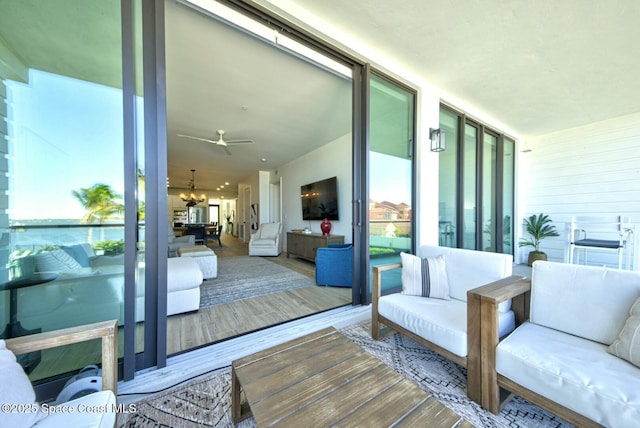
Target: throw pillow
{"points": [[627, 345], [424, 277], [15, 389]]}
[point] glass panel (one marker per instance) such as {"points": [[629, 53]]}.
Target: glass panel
{"points": [[489, 151], [62, 219], [390, 175], [469, 187], [141, 187], [508, 180], [448, 181]]}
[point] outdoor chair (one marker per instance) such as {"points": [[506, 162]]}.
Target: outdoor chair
{"points": [[603, 233], [17, 389]]}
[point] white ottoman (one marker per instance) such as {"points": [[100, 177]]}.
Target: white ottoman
{"points": [[205, 257]]}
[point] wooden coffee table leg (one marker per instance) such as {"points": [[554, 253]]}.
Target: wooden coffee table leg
{"points": [[237, 412]]}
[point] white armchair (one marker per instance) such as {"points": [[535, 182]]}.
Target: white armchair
{"points": [[267, 240], [176, 242]]}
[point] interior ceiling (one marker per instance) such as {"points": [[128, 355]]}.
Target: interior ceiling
{"points": [[221, 78], [535, 66]]}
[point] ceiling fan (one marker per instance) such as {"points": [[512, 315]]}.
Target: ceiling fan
{"points": [[220, 141]]}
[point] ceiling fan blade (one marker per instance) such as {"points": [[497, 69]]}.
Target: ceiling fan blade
{"points": [[197, 138], [226, 150], [239, 141]]}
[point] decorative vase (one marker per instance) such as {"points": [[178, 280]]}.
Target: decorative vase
{"points": [[325, 226]]}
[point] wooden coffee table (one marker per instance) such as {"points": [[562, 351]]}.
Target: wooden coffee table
{"points": [[325, 379]]}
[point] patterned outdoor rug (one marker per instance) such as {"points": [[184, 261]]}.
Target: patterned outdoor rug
{"points": [[243, 277], [206, 401]]}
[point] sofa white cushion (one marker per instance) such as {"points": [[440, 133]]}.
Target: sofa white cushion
{"points": [[469, 269], [426, 277], [627, 345], [183, 273], [15, 389], [586, 301], [443, 322], [268, 243], [577, 373], [93, 410]]}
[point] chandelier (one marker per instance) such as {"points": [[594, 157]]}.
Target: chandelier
{"points": [[192, 199]]}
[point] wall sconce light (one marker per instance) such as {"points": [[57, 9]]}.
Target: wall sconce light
{"points": [[437, 140]]}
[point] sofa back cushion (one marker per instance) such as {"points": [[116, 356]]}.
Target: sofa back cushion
{"points": [[82, 253], [56, 261], [269, 230], [585, 301], [468, 269]]}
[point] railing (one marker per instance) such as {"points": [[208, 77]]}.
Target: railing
{"points": [[37, 236]]}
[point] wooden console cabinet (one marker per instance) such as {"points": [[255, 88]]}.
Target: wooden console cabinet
{"points": [[304, 245]]}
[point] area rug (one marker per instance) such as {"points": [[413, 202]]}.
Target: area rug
{"points": [[243, 277], [206, 401]]}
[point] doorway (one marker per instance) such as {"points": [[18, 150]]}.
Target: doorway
{"points": [[214, 214]]}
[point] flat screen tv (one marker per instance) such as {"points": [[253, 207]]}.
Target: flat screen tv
{"points": [[320, 200]]}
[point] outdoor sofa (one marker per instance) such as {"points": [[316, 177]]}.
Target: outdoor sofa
{"points": [[577, 355], [445, 324]]}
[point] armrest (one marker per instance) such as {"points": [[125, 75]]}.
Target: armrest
{"points": [[106, 330], [377, 280], [513, 287], [189, 239], [483, 336], [376, 292]]}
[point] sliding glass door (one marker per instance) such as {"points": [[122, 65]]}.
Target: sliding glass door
{"points": [[62, 222], [390, 174]]}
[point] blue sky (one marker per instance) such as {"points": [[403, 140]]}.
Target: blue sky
{"points": [[64, 134], [390, 179]]}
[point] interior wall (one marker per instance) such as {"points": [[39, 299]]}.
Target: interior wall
{"points": [[333, 159], [589, 170]]}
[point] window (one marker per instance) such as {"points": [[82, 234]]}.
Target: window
{"points": [[476, 185]]}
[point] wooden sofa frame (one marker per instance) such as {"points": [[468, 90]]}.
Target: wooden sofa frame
{"points": [[497, 390], [105, 330], [474, 327]]}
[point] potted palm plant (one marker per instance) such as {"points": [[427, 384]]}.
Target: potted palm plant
{"points": [[539, 227]]}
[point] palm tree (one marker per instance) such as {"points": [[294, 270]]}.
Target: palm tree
{"points": [[101, 203]]}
